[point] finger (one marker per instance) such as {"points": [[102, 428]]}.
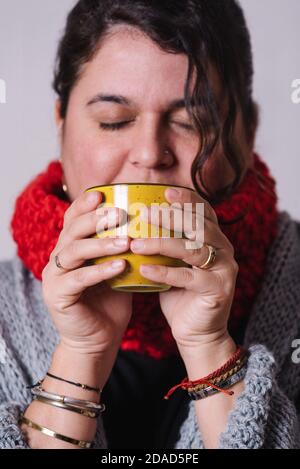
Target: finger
{"points": [[203, 229], [89, 224], [74, 283], [181, 277], [172, 247], [86, 202], [79, 251], [185, 196], [218, 277], [186, 223]]}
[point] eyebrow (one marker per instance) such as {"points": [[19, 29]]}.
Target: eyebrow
{"points": [[118, 99]]}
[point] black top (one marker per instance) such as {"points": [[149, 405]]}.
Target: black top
{"points": [[137, 416]]}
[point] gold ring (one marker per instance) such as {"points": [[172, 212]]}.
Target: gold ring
{"points": [[212, 254]]}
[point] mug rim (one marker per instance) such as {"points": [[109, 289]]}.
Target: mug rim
{"points": [[139, 184]]}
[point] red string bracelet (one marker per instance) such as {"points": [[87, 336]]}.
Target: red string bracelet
{"points": [[185, 383]]}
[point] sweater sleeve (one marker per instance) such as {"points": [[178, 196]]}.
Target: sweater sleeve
{"points": [[14, 400], [13, 397], [263, 417], [22, 361], [11, 436]]}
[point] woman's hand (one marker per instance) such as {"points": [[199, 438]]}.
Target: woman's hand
{"points": [[90, 317], [197, 308]]}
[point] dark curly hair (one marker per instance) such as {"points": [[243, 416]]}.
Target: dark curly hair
{"points": [[208, 32]]}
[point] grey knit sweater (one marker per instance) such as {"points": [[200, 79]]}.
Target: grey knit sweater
{"points": [[266, 414]]}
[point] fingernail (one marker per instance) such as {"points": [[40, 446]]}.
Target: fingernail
{"points": [[119, 242], [116, 264], [92, 197], [173, 193], [137, 244], [148, 268]]}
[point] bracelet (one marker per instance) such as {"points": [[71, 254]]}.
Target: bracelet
{"points": [[218, 380], [39, 391], [53, 434], [207, 380], [223, 377], [79, 385], [79, 410], [209, 390]]}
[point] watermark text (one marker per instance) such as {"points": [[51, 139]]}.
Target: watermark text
{"points": [[2, 91], [296, 352], [295, 96], [156, 221]]}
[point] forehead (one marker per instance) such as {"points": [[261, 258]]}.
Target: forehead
{"points": [[129, 63]]}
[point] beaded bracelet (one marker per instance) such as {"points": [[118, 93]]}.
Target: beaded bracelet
{"points": [[53, 434]]}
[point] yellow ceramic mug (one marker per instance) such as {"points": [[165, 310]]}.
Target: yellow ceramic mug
{"points": [[131, 197]]}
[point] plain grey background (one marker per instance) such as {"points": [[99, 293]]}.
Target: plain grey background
{"points": [[29, 33]]}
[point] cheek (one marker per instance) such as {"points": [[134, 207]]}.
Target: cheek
{"points": [[184, 145], [87, 163]]}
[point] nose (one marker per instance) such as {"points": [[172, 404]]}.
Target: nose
{"points": [[150, 148]]}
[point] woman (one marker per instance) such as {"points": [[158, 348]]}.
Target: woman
{"points": [[152, 92]]}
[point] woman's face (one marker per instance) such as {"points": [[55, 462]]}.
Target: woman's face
{"points": [[131, 80]]}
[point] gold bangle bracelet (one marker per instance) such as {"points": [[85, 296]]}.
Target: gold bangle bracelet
{"points": [[78, 410], [53, 434]]}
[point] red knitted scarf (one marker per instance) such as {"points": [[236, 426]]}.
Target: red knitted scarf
{"points": [[38, 220]]}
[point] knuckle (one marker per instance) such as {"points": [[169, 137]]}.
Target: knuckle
{"points": [[231, 265], [59, 241], [230, 247], [227, 244], [59, 305], [79, 276], [187, 275], [234, 266], [222, 284], [194, 252], [72, 249], [195, 255], [69, 232], [214, 302], [225, 284], [64, 234], [67, 215], [164, 273]]}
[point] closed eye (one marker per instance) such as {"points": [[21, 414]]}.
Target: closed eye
{"points": [[120, 125], [114, 126]]}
